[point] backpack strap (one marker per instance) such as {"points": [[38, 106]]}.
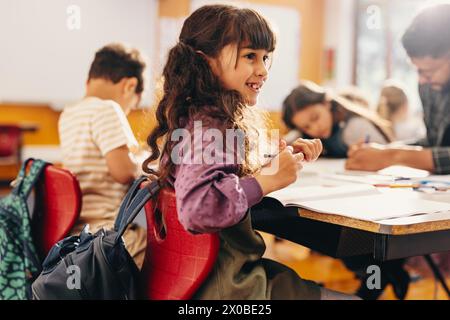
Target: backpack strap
{"points": [[137, 203], [24, 182], [127, 200]]}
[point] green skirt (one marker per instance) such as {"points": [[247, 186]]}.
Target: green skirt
{"points": [[240, 272]]}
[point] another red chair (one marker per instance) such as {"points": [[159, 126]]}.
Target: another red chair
{"points": [[58, 206], [176, 262], [10, 145]]}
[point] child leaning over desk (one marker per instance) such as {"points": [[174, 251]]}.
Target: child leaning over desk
{"points": [[213, 77], [314, 113]]}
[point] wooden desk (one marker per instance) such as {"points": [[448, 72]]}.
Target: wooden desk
{"points": [[10, 165], [399, 226], [28, 127], [24, 126], [341, 237]]}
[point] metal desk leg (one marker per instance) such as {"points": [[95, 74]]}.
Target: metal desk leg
{"points": [[437, 273]]}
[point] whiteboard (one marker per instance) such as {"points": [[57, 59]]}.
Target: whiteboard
{"points": [[284, 73], [47, 46]]}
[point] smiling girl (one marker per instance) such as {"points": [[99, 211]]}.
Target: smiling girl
{"points": [[213, 76]]}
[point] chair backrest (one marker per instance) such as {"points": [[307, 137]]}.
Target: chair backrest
{"points": [[10, 140], [176, 262], [58, 197]]}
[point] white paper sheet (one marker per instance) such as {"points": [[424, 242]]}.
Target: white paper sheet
{"points": [[374, 207], [312, 193]]}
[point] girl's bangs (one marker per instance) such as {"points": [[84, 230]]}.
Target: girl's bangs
{"points": [[255, 31]]}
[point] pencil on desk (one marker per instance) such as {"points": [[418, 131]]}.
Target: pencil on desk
{"points": [[408, 185]]}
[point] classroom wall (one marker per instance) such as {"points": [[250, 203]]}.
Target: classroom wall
{"points": [[312, 24], [46, 56], [312, 18]]}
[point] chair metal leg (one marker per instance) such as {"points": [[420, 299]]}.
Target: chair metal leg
{"points": [[437, 273]]}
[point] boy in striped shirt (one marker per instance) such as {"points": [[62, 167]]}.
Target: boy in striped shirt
{"points": [[96, 140]]}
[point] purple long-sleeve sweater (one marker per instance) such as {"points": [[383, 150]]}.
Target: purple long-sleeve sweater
{"points": [[210, 197]]}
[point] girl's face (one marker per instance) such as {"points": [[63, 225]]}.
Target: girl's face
{"points": [[315, 120], [243, 70]]}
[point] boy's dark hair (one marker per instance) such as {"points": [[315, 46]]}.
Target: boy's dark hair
{"points": [[115, 62], [428, 34]]}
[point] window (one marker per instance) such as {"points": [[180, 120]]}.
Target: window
{"points": [[379, 52]]}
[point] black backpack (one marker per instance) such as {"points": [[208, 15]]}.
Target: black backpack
{"points": [[96, 266]]}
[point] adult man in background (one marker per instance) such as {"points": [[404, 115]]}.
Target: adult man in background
{"points": [[427, 43]]}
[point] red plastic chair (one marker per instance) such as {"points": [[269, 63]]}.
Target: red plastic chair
{"points": [[10, 144], [176, 262], [58, 200]]}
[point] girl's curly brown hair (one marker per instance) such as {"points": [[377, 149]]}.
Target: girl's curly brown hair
{"points": [[190, 84]]}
